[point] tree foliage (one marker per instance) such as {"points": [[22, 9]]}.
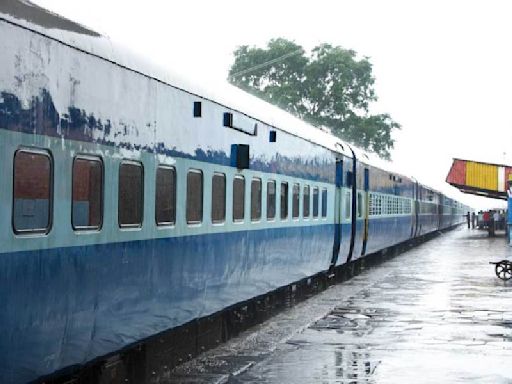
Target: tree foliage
{"points": [[328, 87]]}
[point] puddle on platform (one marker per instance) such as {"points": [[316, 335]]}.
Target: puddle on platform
{"points": [[436, 314]]}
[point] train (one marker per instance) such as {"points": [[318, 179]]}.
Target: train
{"points": [[135, 201]]}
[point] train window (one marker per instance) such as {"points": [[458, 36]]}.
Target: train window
{"points": [[255, 199], [87, 193], [295, 200], [238, 198], [348, 179], [194, 196], [315, 202], [131, 194], [32, 197], [324, 202], [306, 201], [348, 204], [389, 205], [284, 200], [197, 109], [359, 204], [271, 199], [165, 199], [218, 198]]}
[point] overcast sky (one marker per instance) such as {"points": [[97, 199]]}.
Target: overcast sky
{"points": [[443, 68]]}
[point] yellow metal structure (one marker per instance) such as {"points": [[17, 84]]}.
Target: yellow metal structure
{"points": [[478, 178], [482, 176]]}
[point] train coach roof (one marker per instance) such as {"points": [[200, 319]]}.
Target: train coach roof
{"points": [[30, 16], [25, 10], [37, 19]]}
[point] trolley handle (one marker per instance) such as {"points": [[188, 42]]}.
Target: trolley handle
{"points": [[505, 261]]}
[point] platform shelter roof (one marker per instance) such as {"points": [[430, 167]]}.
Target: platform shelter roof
{"points": [[479, 178]]}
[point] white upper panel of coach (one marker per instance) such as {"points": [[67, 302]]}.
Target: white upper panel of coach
{"points": [[28, 15], [33, 17]]}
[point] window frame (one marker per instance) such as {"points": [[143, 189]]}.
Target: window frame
{"points": [[141, 165], [317, 189], [295, 187], [200, 221], [360, 205], [348, 204], [223, 220], [257, 219], [102, 202], [274, 182], [281, 216], [238, 220], [173, 169], [49, 227], [323, 206], [304, 187]]}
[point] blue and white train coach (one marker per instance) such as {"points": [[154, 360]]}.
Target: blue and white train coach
{"points": [[133, 202]]}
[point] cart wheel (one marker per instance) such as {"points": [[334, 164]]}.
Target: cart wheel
{"points": [[503, 271]]}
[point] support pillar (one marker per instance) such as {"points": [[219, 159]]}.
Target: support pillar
{"points": [[509, 210], [509, 218]]}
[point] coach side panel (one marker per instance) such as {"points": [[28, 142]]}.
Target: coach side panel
{"points": [[71, 295]]}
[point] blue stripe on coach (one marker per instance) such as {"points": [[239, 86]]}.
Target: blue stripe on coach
{"points": [[115, 297]]}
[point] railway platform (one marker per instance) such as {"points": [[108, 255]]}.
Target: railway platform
{"points": [[434, 314]]}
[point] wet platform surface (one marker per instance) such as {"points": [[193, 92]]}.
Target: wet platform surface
{"points": [[434, 314]]}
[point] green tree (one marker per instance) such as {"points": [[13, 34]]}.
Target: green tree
{"points": [[328, 87]]}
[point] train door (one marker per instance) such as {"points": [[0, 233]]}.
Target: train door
{"points": [[337, 212], [439, 212], [366, 211], [412, 214], [353, 184], [416, 203]]}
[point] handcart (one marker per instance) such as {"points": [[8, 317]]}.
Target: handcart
{"points": [[503, 269]]}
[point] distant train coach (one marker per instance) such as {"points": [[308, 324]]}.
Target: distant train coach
{"points": [[134, 202]]}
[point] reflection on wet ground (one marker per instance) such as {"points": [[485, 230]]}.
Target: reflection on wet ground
{"points": [[435, 314]]}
